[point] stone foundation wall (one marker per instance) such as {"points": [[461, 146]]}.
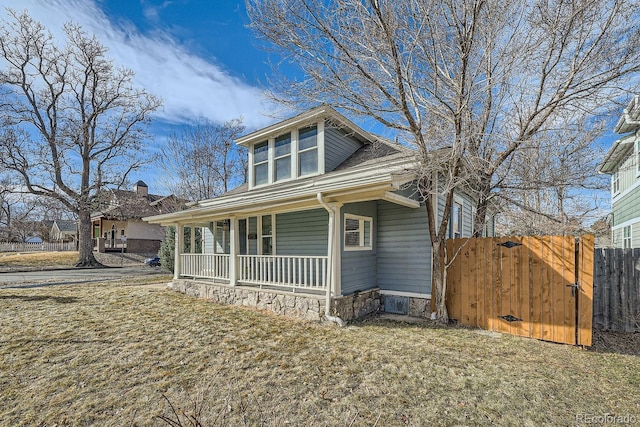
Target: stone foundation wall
{"points": [[356, 305], [283, 303], [418, 307]]}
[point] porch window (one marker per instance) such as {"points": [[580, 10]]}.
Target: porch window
{"points": [[261, 163], [626, 237], [456, 221], [267, 235], [307, 150], [615, 183], [283, 157], [357, 232]]}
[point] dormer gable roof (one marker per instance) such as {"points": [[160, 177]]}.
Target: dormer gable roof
{"points": [[302, 119]]}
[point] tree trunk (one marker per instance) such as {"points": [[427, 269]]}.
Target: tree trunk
{"points": [[85, 243], [439, 284]]}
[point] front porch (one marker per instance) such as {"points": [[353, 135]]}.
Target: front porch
{"points": [[291, 273]]}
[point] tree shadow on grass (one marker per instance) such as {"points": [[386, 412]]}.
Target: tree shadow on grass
{"points": [[37, 298]]}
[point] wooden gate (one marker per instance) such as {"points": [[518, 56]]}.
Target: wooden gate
{"points": [[537, 286]]}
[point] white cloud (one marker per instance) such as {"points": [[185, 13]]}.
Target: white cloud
{"points": [[190, 86]]}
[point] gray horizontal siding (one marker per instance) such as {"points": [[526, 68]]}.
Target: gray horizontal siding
{"points": [[359, 267], [627, 208], [337, 148], [403, 249], [302, 233]]}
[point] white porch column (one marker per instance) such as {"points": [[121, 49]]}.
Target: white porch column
{"points": [[192, 242], [336, 278], [179, 244], [233, 251]]}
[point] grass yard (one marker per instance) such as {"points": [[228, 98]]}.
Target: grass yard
{"points": [[106, 355], [38, 259]]}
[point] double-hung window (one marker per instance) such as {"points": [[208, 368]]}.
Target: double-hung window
{"points": [[357, 232], [267, 235], [283, 157], [456, 221], [261, 163], [626, 237], [615, 183], [307, 150]]}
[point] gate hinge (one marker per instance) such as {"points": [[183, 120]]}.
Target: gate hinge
{"points": [[509, 244]]}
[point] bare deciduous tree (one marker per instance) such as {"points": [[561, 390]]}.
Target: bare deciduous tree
{"points": [[73, 122], [202, 161], [484, 78]]}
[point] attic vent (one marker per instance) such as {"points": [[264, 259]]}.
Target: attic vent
{"points": [[396, 305]]}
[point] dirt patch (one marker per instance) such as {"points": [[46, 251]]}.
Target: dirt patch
{"points": [[616, 342]]}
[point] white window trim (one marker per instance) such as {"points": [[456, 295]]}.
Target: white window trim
{"points": [[459, 201], [627, 239], [361, 219], [262, 236], [637, 153], [254, 164], [294, 153], [276, 158], [615, 183]]}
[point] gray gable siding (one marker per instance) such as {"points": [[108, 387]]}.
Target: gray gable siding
{"points": [[359, 267], [404, 249], [302, 233], [337, 148]]}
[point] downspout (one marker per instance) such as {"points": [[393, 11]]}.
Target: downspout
{"points": [[330, 261]]}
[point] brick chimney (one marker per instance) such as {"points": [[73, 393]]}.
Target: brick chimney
{"points": [[141, 189]]}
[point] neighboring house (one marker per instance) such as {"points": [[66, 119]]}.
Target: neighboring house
{"points": [[63, 230], [117, 222], [622, 162], [328, 218]]}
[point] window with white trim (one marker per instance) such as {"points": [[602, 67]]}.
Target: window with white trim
{"points": [[267, 235], [261, 163], [282, 155], [307, 150], [357, 232], [615, 183], [455, 230], [626, 237], [638, 157]]}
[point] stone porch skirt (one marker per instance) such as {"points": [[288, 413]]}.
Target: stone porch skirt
{"points": [[298, 305]]}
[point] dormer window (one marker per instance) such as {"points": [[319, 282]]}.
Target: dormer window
{"points": [[261, 162], [283, 157], [286, 156], [308, 150]]}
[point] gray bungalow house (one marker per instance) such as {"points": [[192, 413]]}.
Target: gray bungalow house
{"points": [[326, 224], [622, 162]]}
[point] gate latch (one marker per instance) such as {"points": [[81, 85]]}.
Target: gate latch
{"points": [[575, 287]]}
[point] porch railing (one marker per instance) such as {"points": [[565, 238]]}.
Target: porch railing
{"points": [[308, 272], [214, 266]]}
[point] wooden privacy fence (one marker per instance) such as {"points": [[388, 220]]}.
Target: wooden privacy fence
{"points": [[616, 290], [535, 286]]}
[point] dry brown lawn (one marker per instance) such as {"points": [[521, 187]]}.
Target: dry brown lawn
{"points": [[106, 354], [38, 259]]}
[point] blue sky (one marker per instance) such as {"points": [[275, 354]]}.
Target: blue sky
{"points": [[197, 55]]}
